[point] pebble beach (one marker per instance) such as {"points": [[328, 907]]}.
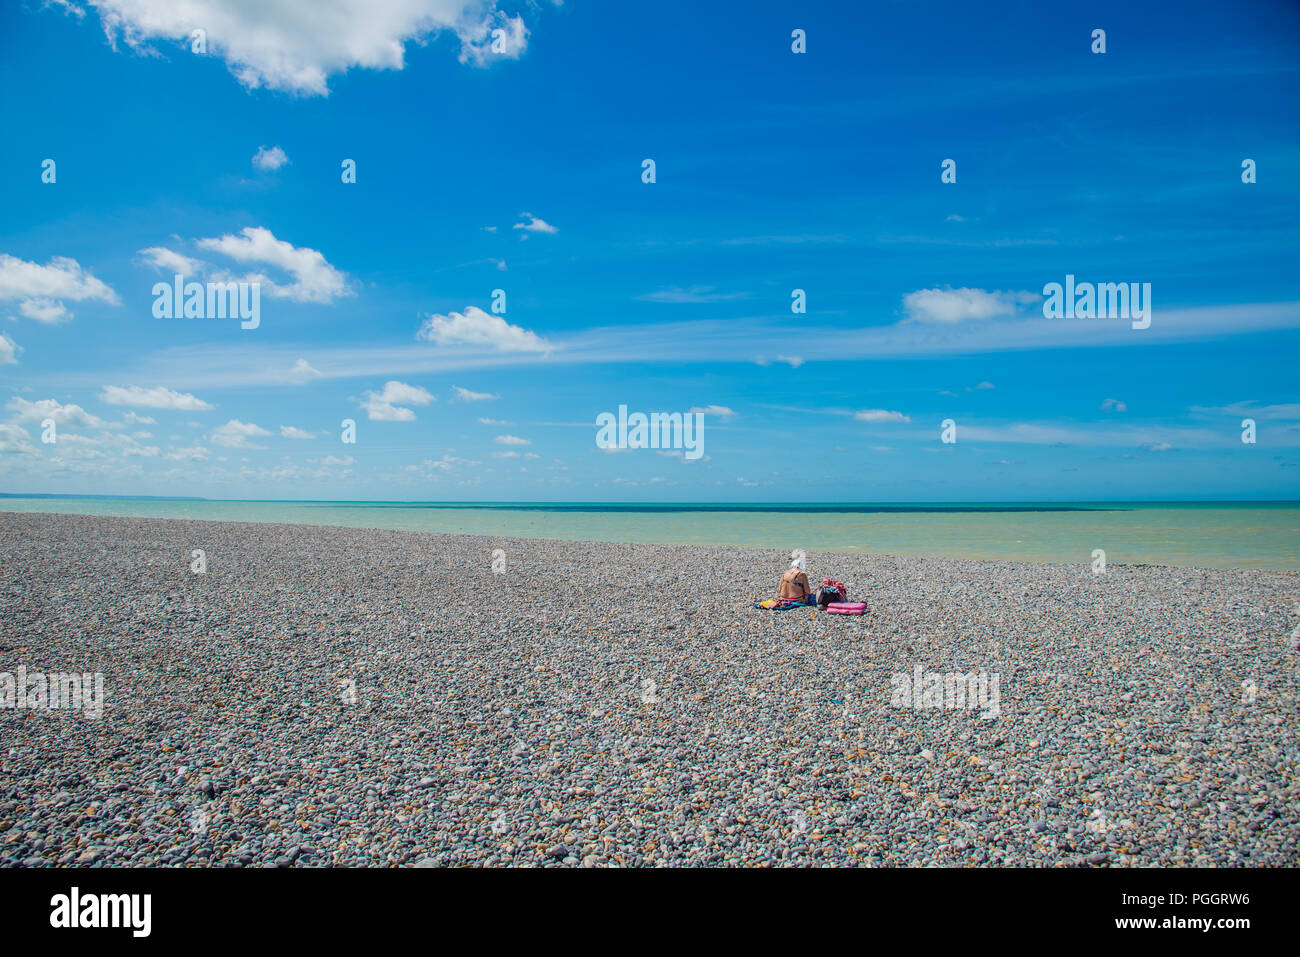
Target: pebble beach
{"points": [[324, 696]]}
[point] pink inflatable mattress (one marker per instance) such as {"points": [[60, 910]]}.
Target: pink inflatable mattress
{"points": [[847, 608]]}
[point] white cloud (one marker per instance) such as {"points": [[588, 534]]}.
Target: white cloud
{"points": [[271, 159], [534, 225], [1113, 405], [315, 280], [40, 290], [505, 455], [382, 406], [958, 305], [293, 432], [465, 395], [333, 460], [44, 310], [479, 46], [880, 415], [494, 422], [296, 45], [235, 435], [511, 440], [444, 465], [156, 398], [302, 372], [8, 351], [69, 414], [106, 445], [171, 262], [14, 440], [132, 419], [477, 328], [719, 410], [193, 453]]}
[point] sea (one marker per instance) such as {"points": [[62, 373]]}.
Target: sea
{"points": [[1199, 534]]}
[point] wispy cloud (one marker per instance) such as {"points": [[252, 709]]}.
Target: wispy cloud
{"points": [[157, 397], [302, 372], [171, 262], [465, 395], [712, 341], [693, 294], [8, 350], [879, 416], [721, 411], [533, 224], [1251, 409]]}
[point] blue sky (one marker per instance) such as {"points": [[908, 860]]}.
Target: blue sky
{"points": [[520, 169]]}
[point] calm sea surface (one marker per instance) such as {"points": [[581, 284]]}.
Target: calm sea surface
{"points": [[1212, 534]]}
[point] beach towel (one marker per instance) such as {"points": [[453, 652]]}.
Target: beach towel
{"points": [[847, 608], [784, 604]]}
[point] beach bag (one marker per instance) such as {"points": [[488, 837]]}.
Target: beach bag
{"points": [[847, 608], [830, 591]]}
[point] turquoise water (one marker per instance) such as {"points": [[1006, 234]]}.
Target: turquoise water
{"points": [[1209, 534]]}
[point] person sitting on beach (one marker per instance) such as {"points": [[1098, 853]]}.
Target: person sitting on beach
{"points": [[794, 583]]}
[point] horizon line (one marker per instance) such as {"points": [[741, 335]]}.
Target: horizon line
{"points": [[728, 502]]}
